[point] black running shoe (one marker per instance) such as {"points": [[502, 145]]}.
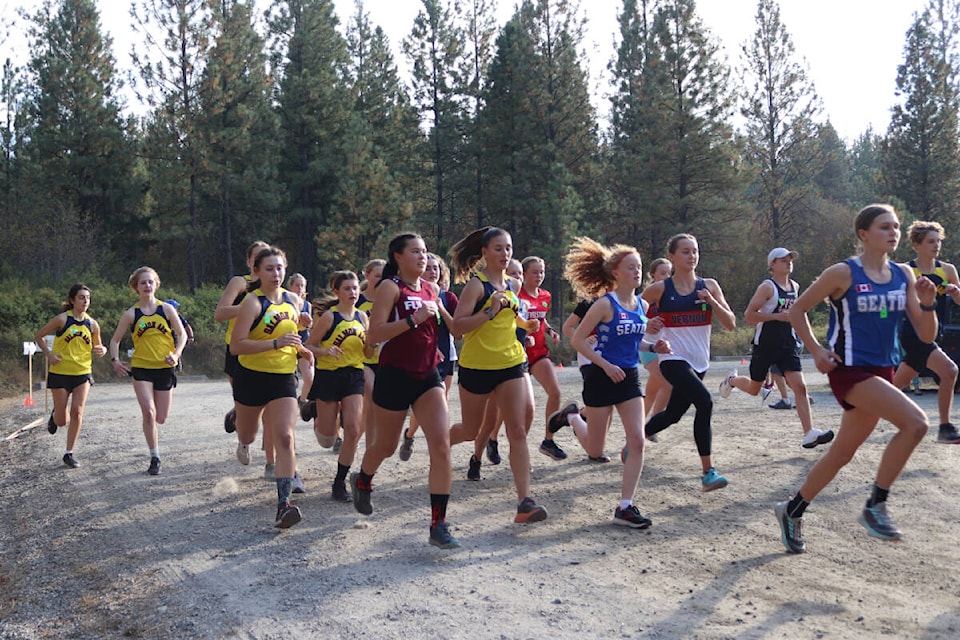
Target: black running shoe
{"points": [[473, 473], [551, 449], [340, 493], [230, 421], [287, 516], [560, 419], [630, 517], [493, 452], [69, 461], [308, 411], [154, 469], [441, 537], [361, 497], [406, 447], [51, 425], [948, 434]]}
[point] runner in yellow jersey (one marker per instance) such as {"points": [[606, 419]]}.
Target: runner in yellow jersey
{"points": [[152, 325], [76, 341]]}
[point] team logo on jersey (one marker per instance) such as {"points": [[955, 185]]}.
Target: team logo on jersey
{"points": [[864, 288], [624, 316]]}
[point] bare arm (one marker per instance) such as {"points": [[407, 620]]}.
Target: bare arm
{"points": [[226, 310], [601, 311], [753, 316], [713, 295], [832, 283], [923, 292], [126, 321], [98, 349], [56, 324]]}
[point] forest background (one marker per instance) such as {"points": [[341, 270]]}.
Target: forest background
{"points": [[288, 126]]}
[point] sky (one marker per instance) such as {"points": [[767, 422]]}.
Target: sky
{"points": [[851, 47]]}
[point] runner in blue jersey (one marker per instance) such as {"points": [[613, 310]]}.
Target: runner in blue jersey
{"points": [[869, 296]]}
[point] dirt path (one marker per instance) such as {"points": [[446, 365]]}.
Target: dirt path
{"points": [[105, 551]]}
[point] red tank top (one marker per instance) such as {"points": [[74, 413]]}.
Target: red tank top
{"points": [[415, 350]]}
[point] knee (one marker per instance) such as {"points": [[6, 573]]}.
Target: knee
{"points": [[916, 428]]}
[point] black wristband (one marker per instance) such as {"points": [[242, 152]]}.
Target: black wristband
{"points": [[411, 322], [274, 344], [932, 307]]}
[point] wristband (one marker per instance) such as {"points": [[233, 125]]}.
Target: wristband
{"points": [[932, 307], [115, 359], [274, 344], [411, 322]]}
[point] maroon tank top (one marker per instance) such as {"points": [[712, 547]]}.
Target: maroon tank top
{"points": [[415, 350]]}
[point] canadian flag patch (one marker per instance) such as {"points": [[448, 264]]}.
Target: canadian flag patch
{"points": [[864, 288]]}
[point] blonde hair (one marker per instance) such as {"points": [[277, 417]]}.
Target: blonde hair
{"points": [[467, 253], [918, 230], [134, 278], [589, 266]]}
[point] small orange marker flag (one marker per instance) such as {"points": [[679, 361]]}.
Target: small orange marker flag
{"points": [[29, 401], [743, 361]]}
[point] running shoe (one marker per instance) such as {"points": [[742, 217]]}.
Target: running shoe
{"points": [[878, 522], [287, 516], [69, 461], [269, 472], [361, 497], [340, 493], [765, 392], [725, 385], [441, 537], [630, 517], [243, 453], [600, 458], [230, 421], [783, 404], [560, 419], [406, 447], [473, 473], [493, 452], [551, 449], [154, 468], [308, 411], [529, 511], [297, 486], [51, 425], [816, 437], [948, 434], [712, 480], [337, 445], [791, 529]]}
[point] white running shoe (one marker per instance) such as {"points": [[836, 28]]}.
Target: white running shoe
{"points": [[297, 486], [725, 386], [243, 453]]}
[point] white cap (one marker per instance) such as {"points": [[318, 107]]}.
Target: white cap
{"points": [[780, 252]]}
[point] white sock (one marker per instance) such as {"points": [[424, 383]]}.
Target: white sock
{"points": [[625, 504], [155, 452]]}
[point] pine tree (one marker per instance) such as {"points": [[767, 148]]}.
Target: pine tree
{"points": [[435, 48], [314, 104], [780, 108], [238, 130], [75, 149], [170, 64], [921, 163]]}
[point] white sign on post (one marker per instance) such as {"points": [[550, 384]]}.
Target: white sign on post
{"points": [[30, 348]]}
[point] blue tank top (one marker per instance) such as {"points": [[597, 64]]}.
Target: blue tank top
{"points": [[864, 321], [618, 341]]}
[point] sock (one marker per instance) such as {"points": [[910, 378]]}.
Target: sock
{"points": [[155, 452], [578, 424], [342, 471], [284, 488], [438, 508], [364, 480], [878, 495], [797, 506], [625, 504], [68, 453], [406, 432]]}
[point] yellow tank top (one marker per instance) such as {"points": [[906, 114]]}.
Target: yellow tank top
{"points": [[236, 301], [493, 345], [274, 320], [350, 336], [365, 305], [74, 343], [152, 339]]}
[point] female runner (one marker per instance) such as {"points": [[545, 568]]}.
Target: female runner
{"points": [[492, 361], [155, 355], [266, 342], [76, 340], [686, 303], [406, 320], [869, 295]]}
